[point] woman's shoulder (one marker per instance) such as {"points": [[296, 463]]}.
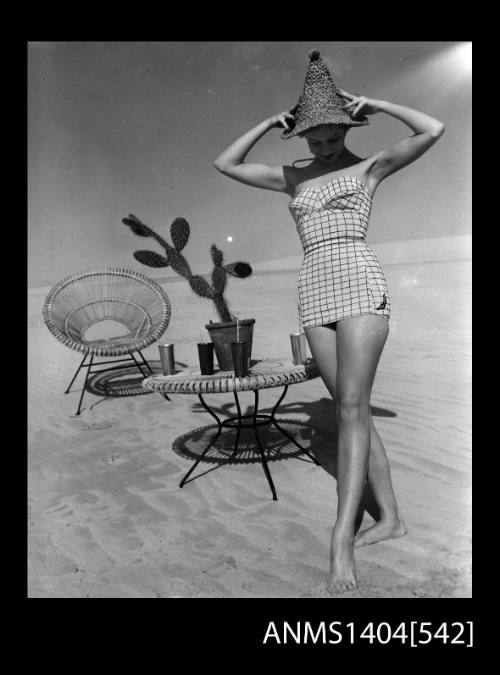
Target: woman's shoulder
{"points": [[296, 174], [361, 166], [359, 163], [369, 161]]}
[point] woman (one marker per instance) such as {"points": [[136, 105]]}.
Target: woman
{"points": [[343, 297]]}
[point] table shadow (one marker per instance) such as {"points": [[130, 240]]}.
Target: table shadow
{"points": [[316, 430]]}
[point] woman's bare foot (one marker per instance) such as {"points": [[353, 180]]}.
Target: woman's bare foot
{"points": [[342, 566], [383, 529]]}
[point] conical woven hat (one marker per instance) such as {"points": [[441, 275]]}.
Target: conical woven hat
{"points": [[321, 101]]}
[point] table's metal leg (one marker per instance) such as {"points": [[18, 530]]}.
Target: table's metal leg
{"points": [[183, 481], [285, 389], [254, 425], [259, 445], [285, 433], [238, 432]]}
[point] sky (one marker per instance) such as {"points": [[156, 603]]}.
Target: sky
{"points": [[134, 127]]}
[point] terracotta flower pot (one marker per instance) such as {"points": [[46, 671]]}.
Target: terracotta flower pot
{"points": [[222, 334]]}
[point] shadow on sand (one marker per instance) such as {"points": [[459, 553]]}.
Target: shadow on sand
{"points": [[315, 430], [123, 381], [314, 427]]}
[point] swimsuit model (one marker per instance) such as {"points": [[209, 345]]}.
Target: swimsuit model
{"points": [[340, 276]]}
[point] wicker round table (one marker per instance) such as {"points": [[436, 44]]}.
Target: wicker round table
{"points": [[263, 374]]}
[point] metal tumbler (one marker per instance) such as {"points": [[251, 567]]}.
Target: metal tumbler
{"points": [[239, 351], [206, 357], [298, 342], [167, 359]]}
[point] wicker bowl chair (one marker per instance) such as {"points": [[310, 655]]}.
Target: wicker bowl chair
{"points": [[128, 298]]}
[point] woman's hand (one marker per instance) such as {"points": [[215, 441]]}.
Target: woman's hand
{"points": [[360, 105], [282, 118]]}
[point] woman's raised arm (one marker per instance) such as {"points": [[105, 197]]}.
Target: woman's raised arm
{"points": [[231, 162], [427, 131]]}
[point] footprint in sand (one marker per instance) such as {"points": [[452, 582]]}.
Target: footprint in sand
{"points": [[322, 591], [113, 459], [61, 510], [223, 562], [179, 589], [97, 426]]}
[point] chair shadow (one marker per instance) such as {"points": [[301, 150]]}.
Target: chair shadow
{"points": [[123, 381], [317, 432]]}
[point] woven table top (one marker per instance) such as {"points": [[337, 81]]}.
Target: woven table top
{"points": [[262, 375]]}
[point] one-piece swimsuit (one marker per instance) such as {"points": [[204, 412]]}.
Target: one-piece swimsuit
{"points": [[340, 276]]}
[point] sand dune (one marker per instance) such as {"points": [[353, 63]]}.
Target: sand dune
{"points": [[411, 251], [107, 518]]}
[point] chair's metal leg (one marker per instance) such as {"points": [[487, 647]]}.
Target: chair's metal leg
{"points": [[74, 376], [183, 481], [145, 361], [137, 364], [259, 445], [89, 365]]}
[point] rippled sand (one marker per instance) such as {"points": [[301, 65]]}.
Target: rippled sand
{"points": [[107, 518]]}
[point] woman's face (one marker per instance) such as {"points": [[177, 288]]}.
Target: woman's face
{"points": [[326, 142]]}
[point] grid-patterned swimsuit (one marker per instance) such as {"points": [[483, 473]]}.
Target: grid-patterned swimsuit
{"points": [[340, 276]]}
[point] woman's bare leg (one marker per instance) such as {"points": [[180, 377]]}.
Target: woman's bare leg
{"points": [[359, 343], [323, 345], [390, 523]]}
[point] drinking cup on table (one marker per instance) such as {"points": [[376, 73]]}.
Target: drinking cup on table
{"points": [[298, 343], [239, 351], [167, 358], [206, 357]]}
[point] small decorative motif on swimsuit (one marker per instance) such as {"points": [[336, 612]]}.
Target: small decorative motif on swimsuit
{"points": [[383, 303]]}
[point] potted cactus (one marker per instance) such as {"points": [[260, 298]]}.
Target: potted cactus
{"points": [[229, 328]]}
